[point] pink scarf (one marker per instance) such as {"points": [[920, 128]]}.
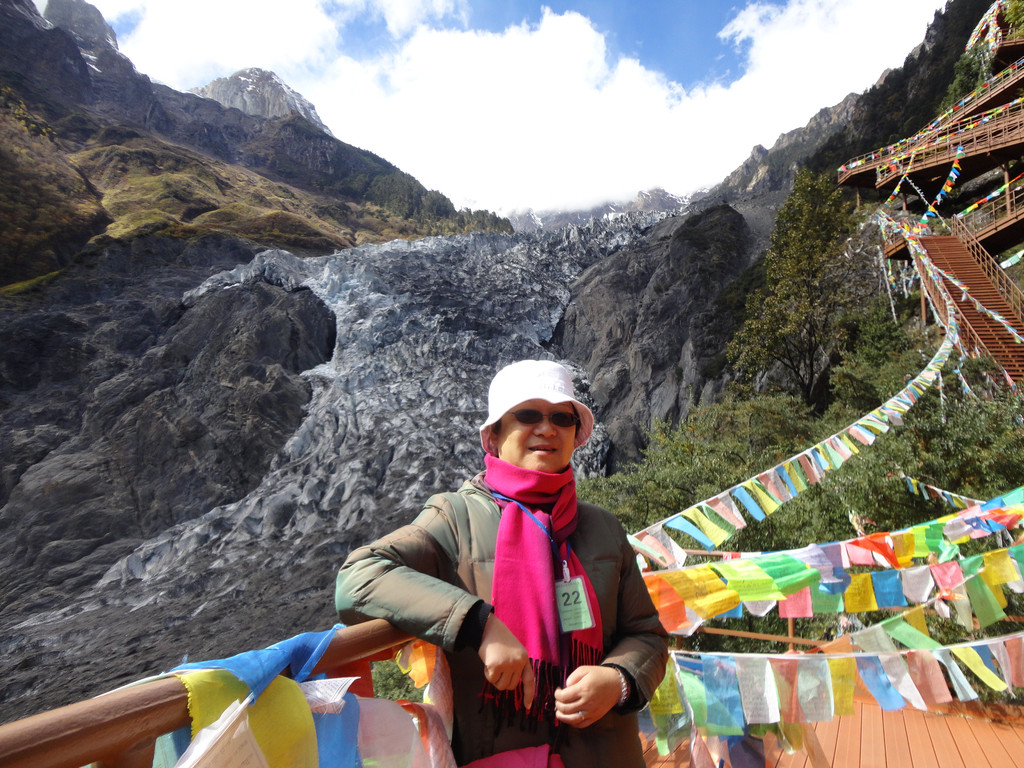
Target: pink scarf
{"points": [[525, 571]]}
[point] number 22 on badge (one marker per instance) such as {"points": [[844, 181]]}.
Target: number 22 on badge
{"points": [[573, 606]]}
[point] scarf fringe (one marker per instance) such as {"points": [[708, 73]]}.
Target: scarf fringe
{"points": [[507, 706]]}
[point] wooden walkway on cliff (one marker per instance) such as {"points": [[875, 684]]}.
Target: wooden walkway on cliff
{"points": [[865, 171], [983, 132]]}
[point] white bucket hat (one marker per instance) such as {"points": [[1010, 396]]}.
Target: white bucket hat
{"points": [[533, 380]]}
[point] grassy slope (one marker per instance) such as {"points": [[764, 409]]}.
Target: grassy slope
{"points": [[116, 182]]}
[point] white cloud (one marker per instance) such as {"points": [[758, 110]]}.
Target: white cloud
{"points": [[403, 16], [537, 115]]}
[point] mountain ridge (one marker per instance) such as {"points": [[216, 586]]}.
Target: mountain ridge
{"points": [[342, 194]]}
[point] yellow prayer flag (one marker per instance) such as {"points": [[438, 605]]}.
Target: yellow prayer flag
{"points": [[665, 700], [915, 618], [714, 532], [702, 590], [416, 659], [280, 718], [844, 681], [849, 442], [765, 500], [860, 595], [903, 544], [796, 476], [970, 657], [999, 568], [995, 589]]}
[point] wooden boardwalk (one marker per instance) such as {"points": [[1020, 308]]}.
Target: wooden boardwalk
{"points": [[906, 738]]}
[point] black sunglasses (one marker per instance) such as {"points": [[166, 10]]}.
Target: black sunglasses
{"points": [[563, 419]]}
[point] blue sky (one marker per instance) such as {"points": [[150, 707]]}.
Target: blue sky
{"points": [[679, 39], [520, 104]]}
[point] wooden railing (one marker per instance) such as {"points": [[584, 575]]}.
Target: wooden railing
{"points": [[1003, 82], [976, 135], [119, 729], [1007, 288]]}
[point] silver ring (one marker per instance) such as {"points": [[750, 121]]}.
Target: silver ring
{"points": [[582, 714]]}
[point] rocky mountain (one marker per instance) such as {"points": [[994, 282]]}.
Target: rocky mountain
{"points": [[650, 200], [215, 385], [770, 171], [151, 158], [261, 93]]}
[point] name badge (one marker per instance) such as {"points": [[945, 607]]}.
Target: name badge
{"points": [[573, 606]]}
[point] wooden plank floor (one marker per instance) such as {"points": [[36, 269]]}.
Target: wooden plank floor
{"points": [[906, 738]]}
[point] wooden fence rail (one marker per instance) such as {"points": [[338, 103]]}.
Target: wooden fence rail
{"points": [[119, 729]]}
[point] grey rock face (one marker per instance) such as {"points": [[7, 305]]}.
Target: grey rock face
{"points": [[123, 412], [645, 322], [83, 20], [261, 93]]}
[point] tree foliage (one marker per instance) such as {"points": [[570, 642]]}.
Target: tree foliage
{"points": [[1013, 12], [795, 323]]}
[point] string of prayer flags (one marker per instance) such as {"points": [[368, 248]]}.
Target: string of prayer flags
{"points": [[950, 182], [925, 491], [981, 307], [711, 521], [814, 579], [987, 30], [736, 695], [989, 197]]}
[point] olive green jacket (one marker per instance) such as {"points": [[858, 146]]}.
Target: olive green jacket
{"points": [[425, 577]]}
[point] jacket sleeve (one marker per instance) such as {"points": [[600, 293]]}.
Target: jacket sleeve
{"points": [[409, 578], [640, 641]]}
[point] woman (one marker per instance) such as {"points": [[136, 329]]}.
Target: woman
{"points": [[536, 599]]}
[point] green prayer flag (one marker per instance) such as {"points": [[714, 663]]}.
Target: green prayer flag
{"points": [[791, 575], [1016, 496], [825, 602], [747, 578], [920, 541], [902, 632], [983, 602], [693, 690]]}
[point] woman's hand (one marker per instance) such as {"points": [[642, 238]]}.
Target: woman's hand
{"points": [[506, 662], [588, 695]]}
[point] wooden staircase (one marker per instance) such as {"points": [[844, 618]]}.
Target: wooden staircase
{"points": [[952, 256]]}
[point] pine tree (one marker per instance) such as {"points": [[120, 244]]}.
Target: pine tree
{"points": [[794, 324]]}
